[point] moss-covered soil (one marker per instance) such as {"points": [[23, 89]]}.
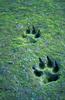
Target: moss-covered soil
{"points": [[20, 51]]}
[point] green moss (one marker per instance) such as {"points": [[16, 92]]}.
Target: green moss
{"points": [[23, 50]]}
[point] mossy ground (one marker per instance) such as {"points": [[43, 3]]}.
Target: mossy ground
{"points": [[19, 52]]}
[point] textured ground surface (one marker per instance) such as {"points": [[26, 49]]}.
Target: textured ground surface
{"points": [[20, 51]]}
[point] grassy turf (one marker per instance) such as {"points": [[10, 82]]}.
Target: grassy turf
{"points": [[18, 54]]}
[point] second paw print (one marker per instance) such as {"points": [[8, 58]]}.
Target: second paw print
{"points": [[50, 69]]}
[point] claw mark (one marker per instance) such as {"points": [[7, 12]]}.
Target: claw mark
{"points": [[28, 30], [37, 35], [41, 63], [50, 62], [56, 67], [33, 30]]}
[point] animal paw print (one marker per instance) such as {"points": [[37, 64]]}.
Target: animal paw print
{"points": [[33, 31], [31, 34], [49, 69]]}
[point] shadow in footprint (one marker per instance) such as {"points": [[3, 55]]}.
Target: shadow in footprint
{"points": [[50, 62], [38, 34], [52, 77], [28, 30], [56, 67], [33, 30], [41, 63], [37, 72]]}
